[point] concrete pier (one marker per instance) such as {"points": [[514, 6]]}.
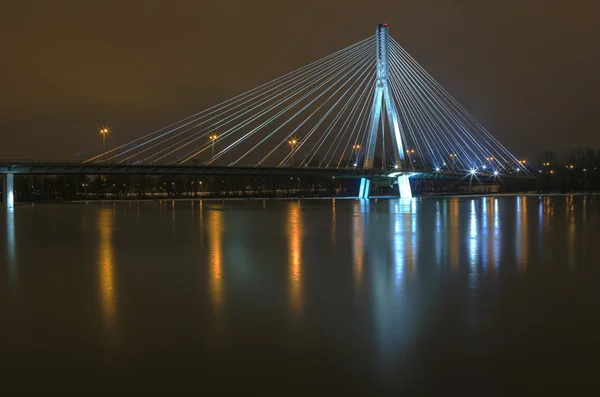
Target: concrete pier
{"points": [[8, 190]]}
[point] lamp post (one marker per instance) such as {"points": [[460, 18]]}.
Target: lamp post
{"points": [[357, 149], [292, 142], [213, 138], [523, 163], [453, 157], [104, 131]]}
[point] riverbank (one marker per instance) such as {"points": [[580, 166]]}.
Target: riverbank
{"points": [[426, 197]]}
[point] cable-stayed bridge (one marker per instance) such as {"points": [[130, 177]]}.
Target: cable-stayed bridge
{"points": [[366, 111]]}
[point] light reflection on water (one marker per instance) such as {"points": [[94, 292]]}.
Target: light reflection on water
{"points": [[106, 267], [358, 242], [454, 232], [215, 227], [382, 287], [497, 235], [295, 235], [11, 255]]}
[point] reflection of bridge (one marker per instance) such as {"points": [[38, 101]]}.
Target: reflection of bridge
{"points": [[319, 115]]}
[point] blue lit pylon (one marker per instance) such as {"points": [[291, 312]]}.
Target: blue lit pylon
{"points": [[383, 94]]}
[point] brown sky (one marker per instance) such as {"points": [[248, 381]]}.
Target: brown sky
{"points": [[528, 70]]}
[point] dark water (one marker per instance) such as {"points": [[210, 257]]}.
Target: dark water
{"points": [[483, 296]]}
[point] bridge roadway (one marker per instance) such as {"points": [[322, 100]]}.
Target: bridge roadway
{"points": [[9, 169], [47, 168], [77, 168]]}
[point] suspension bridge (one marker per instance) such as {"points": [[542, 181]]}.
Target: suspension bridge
{"points": [[367, 111]]}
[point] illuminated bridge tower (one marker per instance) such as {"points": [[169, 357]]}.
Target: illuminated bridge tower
{"points": [[383, 95]]}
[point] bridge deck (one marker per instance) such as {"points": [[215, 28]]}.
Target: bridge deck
{"points": [[48, 168], [152, 169]]}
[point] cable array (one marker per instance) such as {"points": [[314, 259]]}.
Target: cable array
{"points": [[319, 116], [442, 134]]}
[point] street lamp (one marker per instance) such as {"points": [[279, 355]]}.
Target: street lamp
{"points": [[453, 157], [213, 138], [292, 142], [357, 149], [104, 131]]}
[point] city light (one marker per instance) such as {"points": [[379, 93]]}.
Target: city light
{"points": [[213, 138], [473, 171], [104, 131], [437, 169], [292, 142], [496, 173], [357, 149]]}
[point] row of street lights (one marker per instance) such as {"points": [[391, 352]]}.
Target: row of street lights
{"points": [[105, 131], [293, 142]]}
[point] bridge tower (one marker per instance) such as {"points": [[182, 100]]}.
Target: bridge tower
{"points": [[383, 98]]}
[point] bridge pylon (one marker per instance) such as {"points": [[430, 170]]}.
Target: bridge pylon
{"points": [[383, 99]]}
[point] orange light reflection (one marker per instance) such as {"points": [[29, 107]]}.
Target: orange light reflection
{"points": [[295, 234], [106, 264], [215, 226]]}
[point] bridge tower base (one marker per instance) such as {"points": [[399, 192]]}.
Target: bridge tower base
{"points": [[8, 190], [404, 187], [364, 188]]}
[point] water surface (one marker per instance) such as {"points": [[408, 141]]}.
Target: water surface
{"points": [[284, 297]]}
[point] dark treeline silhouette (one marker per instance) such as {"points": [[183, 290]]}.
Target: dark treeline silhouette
{"points": [[50, 188], [568, 171]]}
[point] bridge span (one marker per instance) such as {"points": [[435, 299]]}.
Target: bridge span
{"points": [[9, 170]]}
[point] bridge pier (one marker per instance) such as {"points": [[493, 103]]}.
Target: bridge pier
{"points": [[364, 188], [8, 190], [404, 187]]}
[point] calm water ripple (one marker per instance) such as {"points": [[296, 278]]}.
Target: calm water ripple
{"points": [[276, 297]]}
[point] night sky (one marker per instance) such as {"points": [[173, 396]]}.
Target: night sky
{"points": [[527, 70]]}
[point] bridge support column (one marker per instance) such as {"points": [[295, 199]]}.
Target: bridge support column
{"points": [[364, 189], [8, 190], [404, 187]]}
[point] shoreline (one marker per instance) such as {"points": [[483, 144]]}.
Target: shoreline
{"points": [[426, 197]]}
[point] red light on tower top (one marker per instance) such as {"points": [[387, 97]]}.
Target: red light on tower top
{"points": [[385, 24]]}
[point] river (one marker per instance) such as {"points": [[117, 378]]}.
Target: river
{"points": [[302, 296]]}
